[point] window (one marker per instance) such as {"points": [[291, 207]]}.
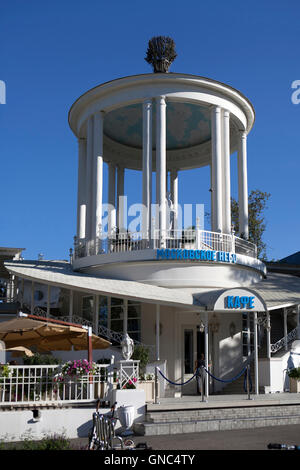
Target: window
{"points": [[103, 312], [134, 320], [116, 314], [87, 307], [111, 314]]}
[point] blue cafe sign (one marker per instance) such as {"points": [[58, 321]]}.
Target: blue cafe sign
{"points": [[239, 302], [197, 255]]}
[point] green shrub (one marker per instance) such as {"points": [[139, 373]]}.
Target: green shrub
{"points": [[141, 354], [294, 373], [40, 359]]}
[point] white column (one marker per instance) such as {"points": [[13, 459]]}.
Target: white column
{"points": [[298, 321], [255, 353], [89, 179], [98, 174], [32, 298], [248, 335], [48, 299], [22, 293], [125, 318], [212, 211], [120, 198], [285, 311], [147, 168], [161, 154], [268, 335], [226, 173], [157, 328], [96, 313], [243, 185], [216, 144], [81, 190], [111, 198], [71, 305], [206, 354], [174, 196]]}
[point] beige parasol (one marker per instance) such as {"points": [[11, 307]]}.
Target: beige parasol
{"points": [[19, 351], [48, 335]]}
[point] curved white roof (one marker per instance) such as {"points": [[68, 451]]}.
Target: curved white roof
{"points": [[277, 290]]}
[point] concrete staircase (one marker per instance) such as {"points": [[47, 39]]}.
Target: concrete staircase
{"points": [[237, 387], [217, 418]]}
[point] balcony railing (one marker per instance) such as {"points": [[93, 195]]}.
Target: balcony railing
{"points": [[173, 239]]}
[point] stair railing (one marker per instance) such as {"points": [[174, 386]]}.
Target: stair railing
{"points": [[283, 342]]}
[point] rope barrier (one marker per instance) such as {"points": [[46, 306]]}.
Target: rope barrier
{"points": [[226, 381], [174, 383], [244, 370]]}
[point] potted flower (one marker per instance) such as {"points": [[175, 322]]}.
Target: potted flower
{"points": [[294, 375], [75, 373]]}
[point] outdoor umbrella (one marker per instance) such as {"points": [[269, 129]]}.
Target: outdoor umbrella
{"points": [[49, 335], [19, 351]]}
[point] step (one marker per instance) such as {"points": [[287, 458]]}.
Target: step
{"points": [[219, 419]]}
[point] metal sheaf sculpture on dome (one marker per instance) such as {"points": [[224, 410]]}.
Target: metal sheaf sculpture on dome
{"points": [[161, 53]]}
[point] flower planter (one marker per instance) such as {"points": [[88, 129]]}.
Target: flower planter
{"points": [[99, 390], [149, 388], [294, 385]]}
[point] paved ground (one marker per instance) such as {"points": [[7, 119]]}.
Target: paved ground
{"points": [[242, 439]]}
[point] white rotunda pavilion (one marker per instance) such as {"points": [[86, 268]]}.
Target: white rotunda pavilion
{"points": [[162, 123]]}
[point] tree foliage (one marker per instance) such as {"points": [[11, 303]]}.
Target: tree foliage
{"points": [[257, 203]]}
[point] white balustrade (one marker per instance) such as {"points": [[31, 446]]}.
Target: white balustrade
{"points": [[172, 239], [45, 383]]}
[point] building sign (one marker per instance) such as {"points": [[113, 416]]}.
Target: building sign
{"points": [[198, 255], [239, 302], [238, 299]]}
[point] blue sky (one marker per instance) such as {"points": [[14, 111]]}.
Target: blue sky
{"points": [[52, 52]]}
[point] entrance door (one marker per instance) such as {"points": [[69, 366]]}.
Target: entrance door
{"points": [[193, 347]]}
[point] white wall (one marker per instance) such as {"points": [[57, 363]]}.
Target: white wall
{"points": [[73, 422], [272, 373], [228, 351]]}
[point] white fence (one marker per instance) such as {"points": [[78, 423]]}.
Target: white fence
{"points": [[45, 383], [186, 239]]}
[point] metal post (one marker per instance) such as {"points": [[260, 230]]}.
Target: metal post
{"points": [[202, 383], [156, 387], [157, 328], [248, 383], [256, 353]]}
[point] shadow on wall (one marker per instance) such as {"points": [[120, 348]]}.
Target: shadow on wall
{"points": [[84, 429]]}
